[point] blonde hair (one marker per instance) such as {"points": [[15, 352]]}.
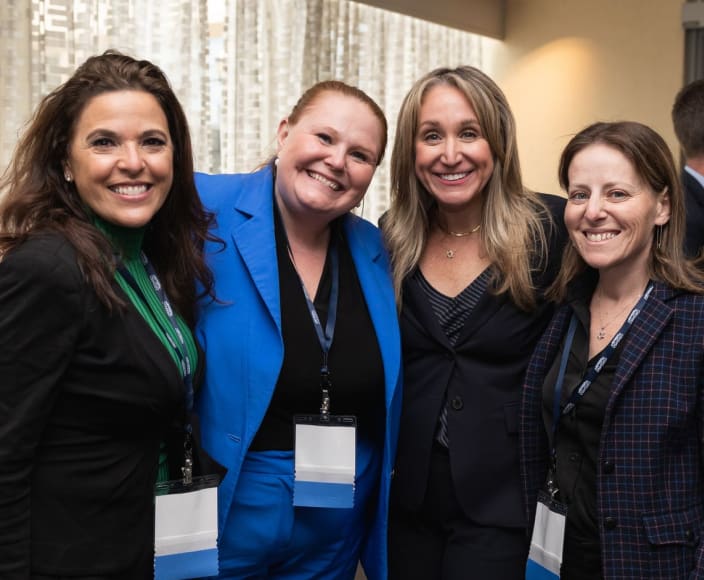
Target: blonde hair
{"points": [[652, 160], [512, 228]]}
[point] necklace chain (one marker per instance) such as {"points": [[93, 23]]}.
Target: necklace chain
{"points": [[450, 254], [601, 333], [473, 230]]}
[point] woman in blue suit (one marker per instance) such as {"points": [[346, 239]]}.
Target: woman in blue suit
{"points": [[304, 324], [624, 359]]}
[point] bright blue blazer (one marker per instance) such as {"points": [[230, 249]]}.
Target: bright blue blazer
{"points": [[241, 334]]}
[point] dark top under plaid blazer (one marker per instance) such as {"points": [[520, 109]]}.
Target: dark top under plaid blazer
{"points": [[649, 474]]}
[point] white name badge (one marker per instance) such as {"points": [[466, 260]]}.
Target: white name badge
{"points": [[545, 556], [325, 461], [186, 529]]}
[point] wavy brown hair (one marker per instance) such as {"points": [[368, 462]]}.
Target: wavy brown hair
{"points": [[37, 198], [652, 160]]}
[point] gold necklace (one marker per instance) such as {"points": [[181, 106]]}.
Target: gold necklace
{"points": [[474, 230], [449, 254], [601, 333]]}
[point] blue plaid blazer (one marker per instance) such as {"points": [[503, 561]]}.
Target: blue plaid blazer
{"points": [[649, 475]]}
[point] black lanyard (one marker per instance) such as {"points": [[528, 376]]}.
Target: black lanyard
{"points": [[593, 371]]}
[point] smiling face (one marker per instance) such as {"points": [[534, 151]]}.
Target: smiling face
{"points": [[453, 160], [121, 157], [611, 212], [327, 159]]}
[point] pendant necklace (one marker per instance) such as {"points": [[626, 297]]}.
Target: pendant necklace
{"points": [[601, 333], [449, 254]]}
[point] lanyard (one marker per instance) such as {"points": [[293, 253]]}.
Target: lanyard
{"points": [[180, 350], [592, 372], [325, 336]]}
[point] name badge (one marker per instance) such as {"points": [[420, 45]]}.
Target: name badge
{"points": [[186, 529], [545, 556], [325, 461]]}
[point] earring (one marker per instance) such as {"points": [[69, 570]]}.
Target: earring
{"points": [[68, 177], [658, 237]]}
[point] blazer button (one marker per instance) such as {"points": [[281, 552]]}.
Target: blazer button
{"points": [[608, 466], [689, 535], [610, 523], [457, 403]]}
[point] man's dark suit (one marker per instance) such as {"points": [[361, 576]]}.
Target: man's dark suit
{"points": [[694, 204]]}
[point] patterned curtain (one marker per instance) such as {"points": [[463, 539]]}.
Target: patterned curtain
{"points": [[238, 66]]}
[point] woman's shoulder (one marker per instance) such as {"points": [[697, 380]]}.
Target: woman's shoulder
{"points": [[41, 251], [44, 262], [555, 204], [218, 189]]}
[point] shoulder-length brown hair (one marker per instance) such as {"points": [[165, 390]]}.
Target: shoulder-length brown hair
{"points": [[38, 198], [653, 163]]}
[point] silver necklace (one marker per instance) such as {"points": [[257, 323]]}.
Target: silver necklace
{"points": [[601, 333]]}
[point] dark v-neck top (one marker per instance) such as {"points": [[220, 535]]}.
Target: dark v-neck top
{"points": [[578, 438], [355, 364]]}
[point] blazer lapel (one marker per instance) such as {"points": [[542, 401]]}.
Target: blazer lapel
{"points": [[254, 237], [645, 331], [374, 278], [421, 314]]}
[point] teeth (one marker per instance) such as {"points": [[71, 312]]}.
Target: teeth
{"points": [[129, 189], [600, 237], [453, 176], [331, 184]]}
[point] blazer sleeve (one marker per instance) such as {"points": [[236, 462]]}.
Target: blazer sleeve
{"points": [[40, 314]]}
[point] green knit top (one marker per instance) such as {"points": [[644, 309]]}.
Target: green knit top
{"points": [[128, 243]]}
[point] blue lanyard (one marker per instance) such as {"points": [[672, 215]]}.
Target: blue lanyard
{"points": [[325, 336], [592, 372], [588, 379]]}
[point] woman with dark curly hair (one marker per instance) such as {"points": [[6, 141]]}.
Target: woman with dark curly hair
{"points": [[101, 237]]}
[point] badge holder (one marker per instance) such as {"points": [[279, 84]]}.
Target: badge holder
{"points": [[546, 545], [186, 525], [325, 459]]}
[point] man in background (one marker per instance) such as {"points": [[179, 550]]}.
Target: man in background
{"points": [[688, 120]]}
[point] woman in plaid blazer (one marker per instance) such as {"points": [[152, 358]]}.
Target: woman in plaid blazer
{"points": [[623, 447]]}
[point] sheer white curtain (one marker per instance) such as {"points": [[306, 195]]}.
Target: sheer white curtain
{"points": [[43, 41], [238, 66], [273, 50]]}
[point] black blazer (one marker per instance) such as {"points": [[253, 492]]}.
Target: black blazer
{"points": [[483, 375], [86, 397], [694, 205]]}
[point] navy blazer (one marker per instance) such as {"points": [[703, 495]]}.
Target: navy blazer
{"points": [[649, 472], [241, 334], [482, 375]]}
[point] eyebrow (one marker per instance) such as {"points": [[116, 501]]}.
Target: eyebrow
{"points": [[113, 135], [464, 123]]}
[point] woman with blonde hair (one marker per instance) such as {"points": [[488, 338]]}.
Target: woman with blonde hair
{"points": [[472, 250]]}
